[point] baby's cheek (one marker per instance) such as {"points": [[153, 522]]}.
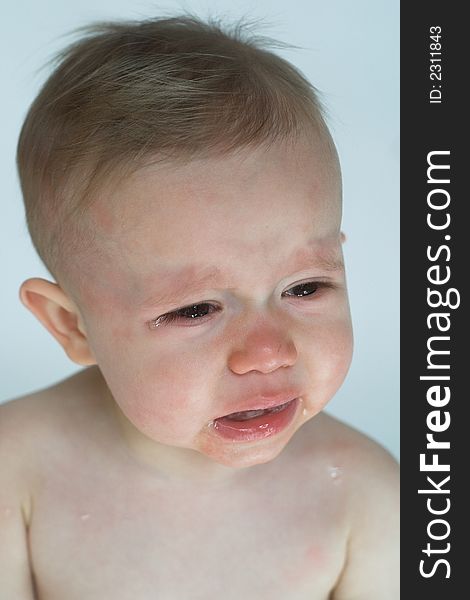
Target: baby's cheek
{"points": [[329, 360], [168, 395], [339, 351]]}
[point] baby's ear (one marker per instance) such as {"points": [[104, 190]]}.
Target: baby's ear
{"points": [[343, 237], [49, 303]]}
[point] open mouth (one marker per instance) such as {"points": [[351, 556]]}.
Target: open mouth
{"points": [[251, 414], [252, 425]]}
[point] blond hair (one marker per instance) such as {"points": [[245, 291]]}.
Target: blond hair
{"points": [[166, 89]]}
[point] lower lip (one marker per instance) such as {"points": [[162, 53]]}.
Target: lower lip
{"points": [[258, 428]]}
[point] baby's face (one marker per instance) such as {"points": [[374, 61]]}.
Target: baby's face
{"points": [[219, 288]]}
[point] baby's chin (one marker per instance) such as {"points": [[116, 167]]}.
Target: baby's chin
{"points": [[246, 454], [245, 459], [242, 454]]}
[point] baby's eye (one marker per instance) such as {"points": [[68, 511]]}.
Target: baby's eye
{"points": [[304, 289], [187, 315], [195, 311]]}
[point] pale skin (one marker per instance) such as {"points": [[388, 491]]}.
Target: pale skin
{"points": [[115, 484]]}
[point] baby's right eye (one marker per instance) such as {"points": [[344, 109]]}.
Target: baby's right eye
{"points": [[188, 315], [195, 311]]}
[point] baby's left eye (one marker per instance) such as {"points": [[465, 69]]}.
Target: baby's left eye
{"points": [[303, 289]]}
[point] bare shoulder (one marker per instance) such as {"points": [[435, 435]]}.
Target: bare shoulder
{"points": [[26, 427], [355, 456], [364, 457], [40, 409], [30, 426], [36, 423], [370, 476]]}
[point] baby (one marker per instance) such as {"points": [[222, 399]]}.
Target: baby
{"points": [[184, 192]]}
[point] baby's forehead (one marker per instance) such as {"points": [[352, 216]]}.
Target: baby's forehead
{"points": [[211, 212], [158, 182]]}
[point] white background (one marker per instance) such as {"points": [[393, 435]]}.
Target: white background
{"points": [[349, 51]]}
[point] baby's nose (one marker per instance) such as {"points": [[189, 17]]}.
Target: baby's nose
{"points": [[263, 349]]}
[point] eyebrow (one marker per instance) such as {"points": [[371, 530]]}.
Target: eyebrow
{"points": [[323, 259], [189, 280], [193, 279]]}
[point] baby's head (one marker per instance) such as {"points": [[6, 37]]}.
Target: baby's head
{"points": [[182, 188]]}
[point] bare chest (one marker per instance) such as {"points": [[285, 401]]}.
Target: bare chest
{"points": [[111, 537]]}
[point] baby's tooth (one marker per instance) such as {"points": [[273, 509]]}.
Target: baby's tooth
{"points": [[247, 414]]}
